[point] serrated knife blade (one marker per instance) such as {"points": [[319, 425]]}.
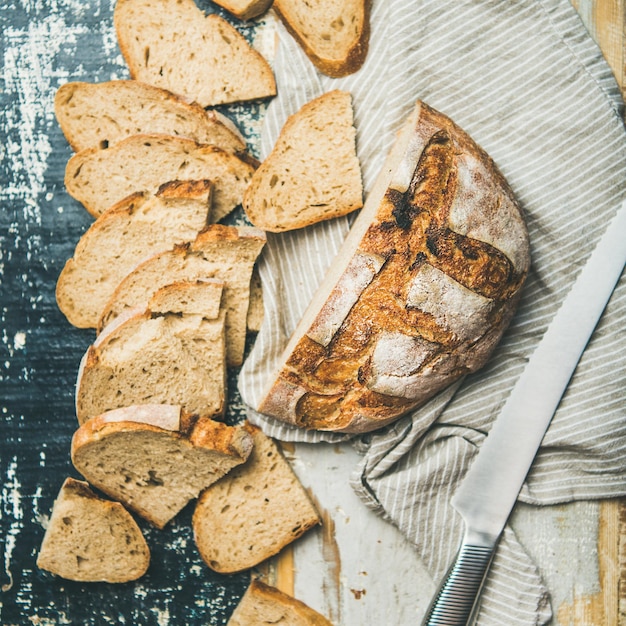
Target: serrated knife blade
{"points": [[487, 493]]}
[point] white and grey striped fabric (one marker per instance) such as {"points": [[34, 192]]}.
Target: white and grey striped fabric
{"points": [[527, 82]]}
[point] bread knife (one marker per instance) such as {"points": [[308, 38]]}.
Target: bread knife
{"points": [[488, 491]]}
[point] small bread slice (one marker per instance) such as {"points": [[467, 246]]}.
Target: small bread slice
{"points": [[245, 9], [312, 173], [139, 225], [156, 471], [89, 539], [225, 253], [263, 604], [100, 178], [97, 115], [146, 357], [253, 512], [334, 34], [172, 44]]}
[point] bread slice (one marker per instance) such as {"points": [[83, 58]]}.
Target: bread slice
{"points": [[420, 293], [89, 539], [226, 253], [139, 225], [263, 604], [334, 34], [312, 173], [253, 512], [146, 357], [172, 44], [156, 471], [256, 309], [100, 178], [245, 9], [97, 115]]}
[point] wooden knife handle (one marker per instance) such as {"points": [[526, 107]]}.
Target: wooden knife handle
{"points": [[454, 603]]}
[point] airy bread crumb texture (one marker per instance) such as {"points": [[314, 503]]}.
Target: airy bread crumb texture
{"points": [[97, 115], [153, 471], [174, 45], [253, 512], [312, 173], [89, 539]]}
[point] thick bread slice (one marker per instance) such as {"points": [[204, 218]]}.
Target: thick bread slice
{"points": [[136, 227], [419, 294], [256, 310], [146, 357], [100, 178], [172, 44], [334, 34], [89, 539], [226, 253], [312, 173], [97, 115], [253, 512], [155, 471], [245, 9], [262, 604]]}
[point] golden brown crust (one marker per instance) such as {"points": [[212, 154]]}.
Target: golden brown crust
{"points": [[430, 312]]}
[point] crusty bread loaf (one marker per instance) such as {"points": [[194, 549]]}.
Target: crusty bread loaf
{"points": [[253, 512], [155, 471], [334, 34], [226, 253], [172, 44], [420, 293], [263, 604], [145, 357], [245, 9], [129, 231], [97, 115], [100, 178], [89, 539], [312, 173]]}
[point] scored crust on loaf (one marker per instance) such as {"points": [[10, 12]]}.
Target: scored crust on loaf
{"points": [[312, 173], [155, 358], [226, 253], [139, 225], [154, 471], [99, 178], [89, 539], [263, 604], [172, 44], [97, 115], [334, 34], [420, 293], [253, 512]]}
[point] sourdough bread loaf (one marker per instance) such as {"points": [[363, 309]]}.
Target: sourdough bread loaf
{"points": [[173, 45], [263, 604], [419, 294], [312, 173], [155, 471], [226, 253], [145, 357], [253, 512], [100, 178], [97, 115], [334, 34], [139, 225], [89, 539]]}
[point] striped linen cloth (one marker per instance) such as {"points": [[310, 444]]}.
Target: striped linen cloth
{"points": [[530, 86]]}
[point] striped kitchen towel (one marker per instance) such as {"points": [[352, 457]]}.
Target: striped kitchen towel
{"points": [[525, 80]]}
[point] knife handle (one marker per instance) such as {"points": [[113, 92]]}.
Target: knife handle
{"points": [[454, 602]]}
